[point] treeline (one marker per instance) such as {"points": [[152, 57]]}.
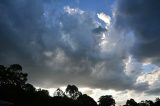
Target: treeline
{"points": [[13, 88]]}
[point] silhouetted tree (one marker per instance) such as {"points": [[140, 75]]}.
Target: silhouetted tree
{"points": [[157, 102], [106, 100], [142, 103], [59, 92], [29, 88], [131, 102], [85, 100], [63, 101], [72, 92], [12, 75], [149, 103], [3, 75], [42, 92]]}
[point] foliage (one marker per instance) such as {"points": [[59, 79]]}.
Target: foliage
{"points": [[131, 102], [85, 100], [59, 92], [106, 100], [72, 92], [12, 75]]}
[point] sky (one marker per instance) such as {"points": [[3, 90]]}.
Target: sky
{"points": [[102, 46]]}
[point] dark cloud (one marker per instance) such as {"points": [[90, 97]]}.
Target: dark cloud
{"points": [[155, 91], [142, 18], [99, 30], [17, 18], [63, 45]]}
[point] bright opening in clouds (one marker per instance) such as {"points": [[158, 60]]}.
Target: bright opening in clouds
{"points": [[103, 49]]}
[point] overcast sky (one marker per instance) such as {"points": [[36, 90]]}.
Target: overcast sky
{"points": [[102, 46]]}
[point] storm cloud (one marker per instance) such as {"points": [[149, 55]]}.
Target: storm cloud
{"points": [[141, 17], [58, 45]]}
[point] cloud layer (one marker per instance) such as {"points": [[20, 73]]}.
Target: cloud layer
{"points": [[59, 45]]}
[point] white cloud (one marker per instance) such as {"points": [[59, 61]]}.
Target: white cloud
{"points": [[151, 78], [73, 11], [105, 18]]}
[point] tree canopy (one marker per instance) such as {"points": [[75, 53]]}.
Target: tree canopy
{"points": [[72, 91], [106, 100], [12, 75]]}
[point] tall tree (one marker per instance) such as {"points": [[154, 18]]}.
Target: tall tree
{"points": [[72, 91], [29, 88], [42, 92], [131, 102], [142, 103], [149, 103], [106, 100], [12, 75], [157, 103], [85, 100], [59, 92]]}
